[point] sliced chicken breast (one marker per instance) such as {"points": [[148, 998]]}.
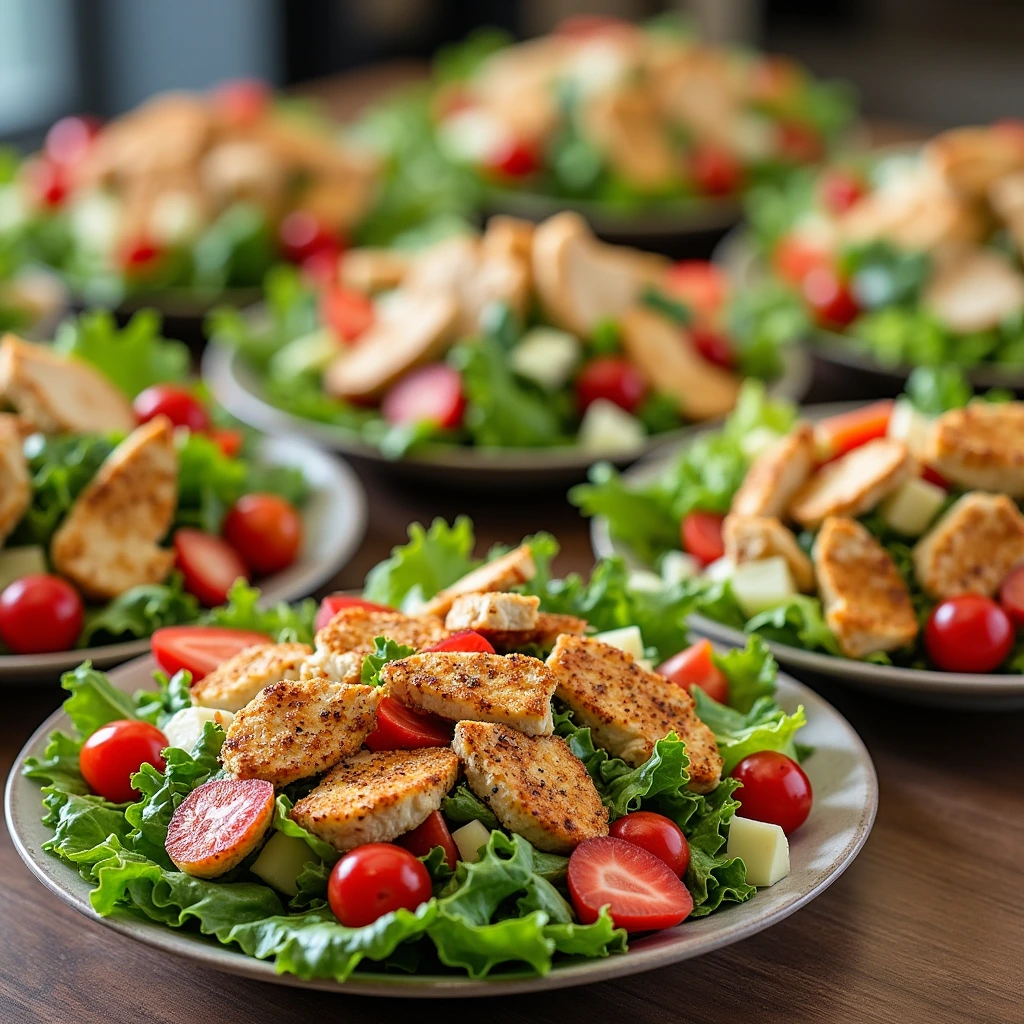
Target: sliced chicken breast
{"points": [[494, 611], [501, 574], [15, 485], [980, 446], [753, 538], [238, 680], [776, 475], [974, 290], [543, 634]]}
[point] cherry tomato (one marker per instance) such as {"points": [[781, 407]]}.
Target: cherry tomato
{"points": [[179, 405], [228, 441], [840, 189], [209, 564], [139, 257], [714, 346], [829, 298], [794, 258], [334, 603], [800, 143], [266, 530], [701, 285], [431, 394], [200, 649], [656, 834], [467, 642], [702, 536], [242, 102], [47, 182], [775, 789], [40, 614], [642, 893], [969, 633], [848, 430], [399, 728], [115, 752], [513, 159], [219, 824], [70, 138], [301, 236], [715, 172], [346, 312], [695, 667], [1011, 596], [433, 832], [374, 880], [611, 378]]}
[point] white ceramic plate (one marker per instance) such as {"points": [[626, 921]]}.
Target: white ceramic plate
{"points": [[334, 519], [964, 690], [845, 800]]}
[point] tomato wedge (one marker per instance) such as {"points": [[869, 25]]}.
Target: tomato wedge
{"points": [[467, 641], [219, 824], [334, 603], [643, 894], [228, 441], [840, 434], [702, 536], [200, 649], [793, 259], [209, 564], [695, 667], [346, 312], [398, 728], [1011, 596], [700, 285], [433, 832]]}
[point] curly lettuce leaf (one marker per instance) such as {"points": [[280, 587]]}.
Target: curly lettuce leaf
{"points": [[139, 612], [751, 671], [765, 726], [171, 695], [799, 622], [384, 651], [282, 622], [462, 805]]}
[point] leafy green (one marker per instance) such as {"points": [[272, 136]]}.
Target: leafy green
{"points": [[798, 622], [282, 622], [93, 699], [764, 727], [171, 695], [384, 650], [462, 805], [751, 672], [937, 389], [284, 823], [139, 612]]}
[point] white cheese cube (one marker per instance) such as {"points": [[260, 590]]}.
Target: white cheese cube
{"points": [[280, 862], [547, 356], [908, 425], [470, 839], [628, 639], [646, 664], [185, 727], [96, 222], [608, 430], [762, 847], [678, 566], [175, 217], [719, 570], [763, 584], [911, 509], [472, 135]]}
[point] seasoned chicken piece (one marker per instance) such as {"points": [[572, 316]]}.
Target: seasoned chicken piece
{"points": [[514, 690], [231, 685], [56, 394], [970, 159], [501, 574], [373, 270], [867, 604], [975, 290], [376, 797], [1006, 197], [543, 634], [494, 611], [777, 474], [535, 785], [509, 236], [15, 489], [629, 709], [980, 446], [297, 728], [753, 538], [972, 548], [109, 541], [853, 484]]}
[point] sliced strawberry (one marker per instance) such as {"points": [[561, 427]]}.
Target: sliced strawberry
{"points": [[431, 394], [467, 641], [200, 649], [209, 564], [398, 728]]}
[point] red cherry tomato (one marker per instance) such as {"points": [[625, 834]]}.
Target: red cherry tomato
{"points": [[642, 893], [209, 564], [702, 536], [375, 880], [800, 143], [841, 434], [695, 666], [612, 378], [228, 441], [467, 642], [115, 752], [714, 346], [715, 172], [180, 406], [656, 834], [334, 603], [793, 259], [933, 477], [699, 284], [266, 530], [200, 649], [242, 102], [301, 236], [431, 394], [346, 312], [969, 633], [829, 298], [40, 614], [139, 257], [841, 189], [47, 182], [775, 789], [1011, 596], [433, 832], [513, 159], [70, 138], [399, 728]]}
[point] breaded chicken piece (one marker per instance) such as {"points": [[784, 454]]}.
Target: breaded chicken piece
{"points": [[495, 611], [980, 446], [753, 538], [508, 236], [547, 629], [974, 290], [513, 568], [15, 488], [231, 685], [513, 690], [371, 270], [109, 541], [535, 785], [298, 728], [972, 548], [853, 484], [776, 475], [56, 394], [629, 709], [376, 797], [867, 604]]}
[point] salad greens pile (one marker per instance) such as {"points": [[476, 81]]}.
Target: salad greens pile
{"points": [[507, 911]]}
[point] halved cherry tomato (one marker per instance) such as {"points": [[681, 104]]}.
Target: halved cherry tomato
{"points": [[700, 285], [399, 728], [800, 142], [715, 171], [702, 536], [1011, 596], [793, 258], [695, 666], [242, 102], [841, 434], [346, 312], [334, 603], [642, 893], [209, 564], [301, 235], [228, 441], [266, 530], [115, 752], [969, 633], [431, 394], [140, 257], [219, 824], [840, 189], [515, 158], [612, 378], [47, 182], [40, 614], [179, 405], [656, 834], [70, 138], [433, 832], [775, 789], [829, 297], [374, 880], [200, 649], [714, 346], [468, 641]]}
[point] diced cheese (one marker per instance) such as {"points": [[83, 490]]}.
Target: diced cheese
{"points": [[175, 217], [185, 727], [763, 584], [608, 430], [24, 561], [628, 639], [470, 839], [96, 222], [280, 862], [310, 353], [754, 443], [646, 581], [764, 849], [911, 509], [547, 356], [646, 664], [677, 566], [719, 570], [908, 425]]}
